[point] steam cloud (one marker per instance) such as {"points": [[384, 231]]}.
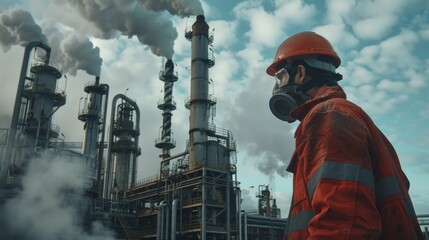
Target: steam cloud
{"points": [[49, 206], [17, 27], [140, 18], [73, 52], [181, 8]]}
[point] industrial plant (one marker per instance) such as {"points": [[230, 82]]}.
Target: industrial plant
{"points": [[195, 195]]}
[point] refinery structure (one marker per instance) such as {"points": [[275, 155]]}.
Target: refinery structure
{"points": [[195, 195]]}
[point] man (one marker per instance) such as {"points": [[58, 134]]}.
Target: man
{"points": [[348, 182]]}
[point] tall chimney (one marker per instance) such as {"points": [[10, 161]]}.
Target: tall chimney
{"points": [[199, 100]]}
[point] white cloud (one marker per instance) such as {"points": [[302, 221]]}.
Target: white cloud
{"points": [[109, 49], [338, 10], [388, 85], [337, 35], [360, 75], [252, 57], [374, 28], [264, 27], [424, 34], [294, 12], [390, 56], [416, 79], [225, 33], [399, 48], [226, 67], [371, 8]]}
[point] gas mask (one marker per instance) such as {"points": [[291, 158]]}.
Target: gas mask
{"points": [[285, 97]]}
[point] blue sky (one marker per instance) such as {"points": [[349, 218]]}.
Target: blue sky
{"points": [[383, 45]]}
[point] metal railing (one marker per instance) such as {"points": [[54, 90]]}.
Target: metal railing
{"points": [[146, 180], [51, 64]]}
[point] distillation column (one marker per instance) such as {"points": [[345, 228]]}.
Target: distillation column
{"points": [[36, 101], [93, 114], [123, 150], [199, 100], [166, 141]]}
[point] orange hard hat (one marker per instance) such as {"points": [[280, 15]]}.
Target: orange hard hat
{"points": [[304, 44]]}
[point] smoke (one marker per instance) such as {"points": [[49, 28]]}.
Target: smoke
{"points": [[50, 204], [72, 52], [268, 148], [140, 18], [18, 27], [111, 18], [181, 8]]}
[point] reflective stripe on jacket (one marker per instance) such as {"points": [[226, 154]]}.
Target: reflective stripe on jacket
{"points": [[348, 182]]}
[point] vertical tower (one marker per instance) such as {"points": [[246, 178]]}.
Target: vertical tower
{"points": [[198, 198], [44, 98], [199, 100], [123, 150], [264, 201], [166, 142], [210, 149], [93, 114], [36, 101]]}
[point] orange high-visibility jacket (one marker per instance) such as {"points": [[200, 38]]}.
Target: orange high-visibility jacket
{"points": [[348, 182]]}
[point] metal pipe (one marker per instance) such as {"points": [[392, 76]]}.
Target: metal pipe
{"points": [[158, 220], [228, 210], [426, 233], [103, 134], [174, 219], [175, 156], [203, 206], [240, 231], [245, 225]]}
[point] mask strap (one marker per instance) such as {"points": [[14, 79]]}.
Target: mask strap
{"points": [[309, 85]]}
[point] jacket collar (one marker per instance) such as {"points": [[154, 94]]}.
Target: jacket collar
{"points": [[323, 93]]}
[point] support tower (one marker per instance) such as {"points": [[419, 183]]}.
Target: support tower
{"points": [[166, 142], [93, 114], [37, 99], [123, 149]]}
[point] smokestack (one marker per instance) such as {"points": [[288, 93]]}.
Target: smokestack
{"points": [[267, 202], [199, 100], [166, 141], [93, 114]]}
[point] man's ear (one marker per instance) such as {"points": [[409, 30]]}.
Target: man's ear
{"points": [[300, 74]]}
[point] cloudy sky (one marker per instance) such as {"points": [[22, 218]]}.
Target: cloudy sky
{"points": [[383, 45]]}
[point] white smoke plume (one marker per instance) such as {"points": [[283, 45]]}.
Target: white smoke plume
{"points": [[72, 52], [18, 27], [139, 18], [181, 8], [49, 205]]}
